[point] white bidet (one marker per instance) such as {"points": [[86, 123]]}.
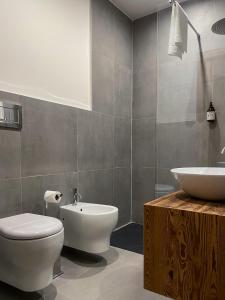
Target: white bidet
{"points": [[88, 227]]}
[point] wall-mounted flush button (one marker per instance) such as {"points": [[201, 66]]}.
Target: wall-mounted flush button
{"points": [[10, 115]]}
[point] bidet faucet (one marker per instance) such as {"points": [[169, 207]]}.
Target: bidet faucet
{"points": [[76, 196], [223, 151]]}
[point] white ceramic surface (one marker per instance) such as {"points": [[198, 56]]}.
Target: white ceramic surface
{"points": [[202, 183], [27, 264], [88, 227]]}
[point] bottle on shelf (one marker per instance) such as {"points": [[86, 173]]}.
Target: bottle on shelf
{"points": [[211, 113]]}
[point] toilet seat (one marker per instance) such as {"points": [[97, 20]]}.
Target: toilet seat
{"points": [[29, 227]]}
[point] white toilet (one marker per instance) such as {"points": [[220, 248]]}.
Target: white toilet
{"points": [[88, 226], [30, 245]]}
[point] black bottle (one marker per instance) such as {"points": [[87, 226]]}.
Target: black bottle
{"points": [[211, 113]]}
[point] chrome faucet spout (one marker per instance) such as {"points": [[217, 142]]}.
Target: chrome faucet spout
{"points": [[76, 196], [223, 151]]}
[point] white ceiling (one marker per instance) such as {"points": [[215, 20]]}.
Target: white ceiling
{"points": [[138, 8]]}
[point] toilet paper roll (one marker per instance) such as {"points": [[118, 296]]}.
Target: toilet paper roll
{"points": [[52, 197]]}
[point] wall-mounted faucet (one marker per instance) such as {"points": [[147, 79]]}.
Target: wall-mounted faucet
{"points": [[76, 196], [223, 151]]}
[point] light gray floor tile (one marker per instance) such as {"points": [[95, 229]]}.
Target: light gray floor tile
{"points": [[116, 275]]}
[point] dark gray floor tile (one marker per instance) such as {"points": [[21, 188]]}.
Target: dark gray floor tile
{"points": [[95, 141], [48, 138]]}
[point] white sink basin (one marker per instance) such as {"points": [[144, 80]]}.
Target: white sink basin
{"points": [[202, 183]]}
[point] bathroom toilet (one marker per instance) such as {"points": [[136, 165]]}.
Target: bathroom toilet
{"points": [[162, 190], [30, 245], [88, 227]]}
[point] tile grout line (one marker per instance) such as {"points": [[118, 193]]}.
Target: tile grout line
{"points": [[131, 133]]}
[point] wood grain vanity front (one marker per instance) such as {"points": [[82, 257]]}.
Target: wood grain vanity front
{"points": [[184, 248]]}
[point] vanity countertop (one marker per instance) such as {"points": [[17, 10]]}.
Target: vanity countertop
{"points": [[182, 201]]}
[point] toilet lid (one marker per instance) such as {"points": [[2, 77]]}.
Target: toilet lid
{"points": [[29, 227]]}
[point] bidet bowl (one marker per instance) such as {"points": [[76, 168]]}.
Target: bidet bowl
{"points": [[203, 183], [88, 226]]}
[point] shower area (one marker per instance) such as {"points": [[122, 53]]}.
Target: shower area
{"points": [[170, 100]]}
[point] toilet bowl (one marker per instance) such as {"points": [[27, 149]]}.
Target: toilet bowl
{"points": [[88, 227], [162, 190], [30, 245]]}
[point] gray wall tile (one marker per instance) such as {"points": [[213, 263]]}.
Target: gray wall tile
{"points": [[217, 139], [143, 143], [122, 194], [143, 182], [123, 91], [10, 203], [123, 39], [48, 138], [122, 140], [96, 186], [103, 27], [182, 144], [10, 154], [33, 189], [103, 84], [145, 93], [95, 141], [165, 177], [145, 43]]}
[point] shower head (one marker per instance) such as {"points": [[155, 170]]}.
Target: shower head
{"points": [[219, 27]]}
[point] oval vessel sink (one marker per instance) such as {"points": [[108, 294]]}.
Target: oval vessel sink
{"points": [[202, 183]]}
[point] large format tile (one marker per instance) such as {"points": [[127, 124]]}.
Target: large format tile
{"points": [[122, 194], [95, 141], [182, 144], [96, 186], [103, 32], [104, 275], [89, 277], [145, 93], [33, 189], [10, 153], [144, 143], [103, 87], [143, 187], [10, 191], [145, 43], [122, 140], [217, 139], [123, 91], [123, 39], [48, 138]]}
